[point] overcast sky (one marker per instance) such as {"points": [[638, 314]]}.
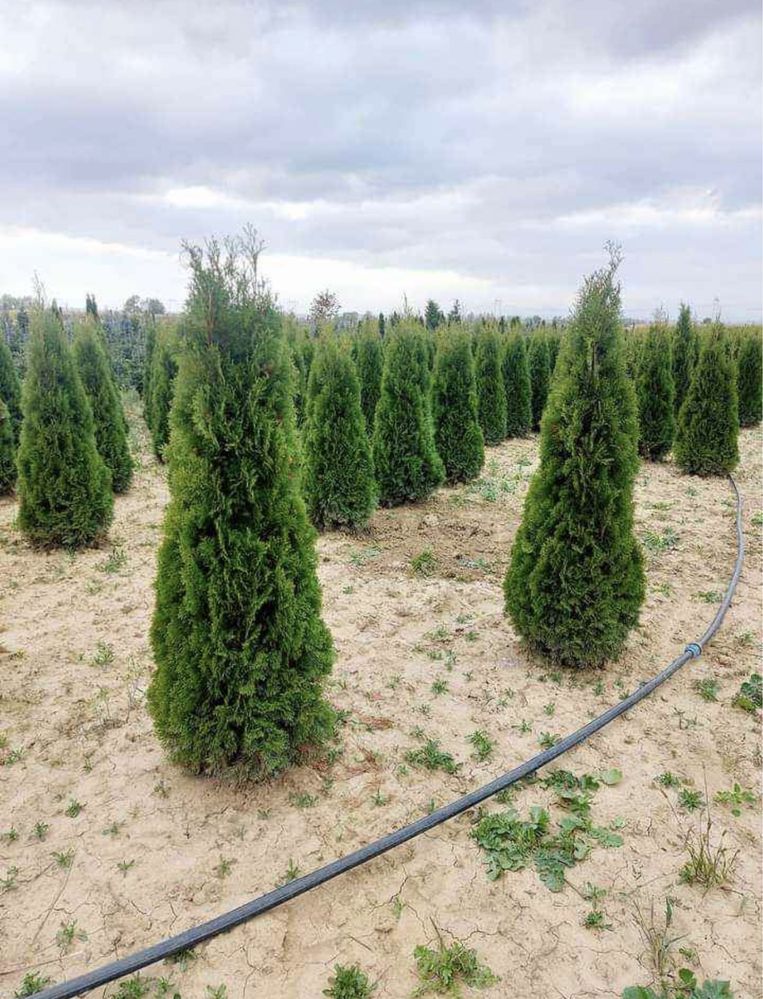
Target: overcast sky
{"points": [[481, 149]]}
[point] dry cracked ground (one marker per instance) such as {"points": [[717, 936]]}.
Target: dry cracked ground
{"points": [[106, 847]]}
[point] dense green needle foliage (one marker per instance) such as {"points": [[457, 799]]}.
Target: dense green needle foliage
{"points": [[64, 486], [458, 436], [368, 354], [491, 393], [516, 381], [7, 451], [540, 374], [654, 392], [339, 474], [108, 415], [706, 441], [634, 345], [240, 647], [148, 363], [685, 350], [575, 582], [162, 387], [554, 342], [406, 462], [750, 379], [10, 387]]}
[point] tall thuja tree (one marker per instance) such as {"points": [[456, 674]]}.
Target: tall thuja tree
{"points": [[10, 388], [148, 362], [163, 371], [103, 396], [339, 474], [634, 344], [575, 582], [685, 349], [516, 381], [406, 462], [491, 393], [750, 378], [433, 316], [368, 355], [64, 486], [240, 647], [540, 374], [458, 435], [654, 393], [7, 451], [706, 441]]}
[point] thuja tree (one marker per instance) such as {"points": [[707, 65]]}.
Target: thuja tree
{"points": [[406, 462], [750, 379], [339, 476], [706, 441], [7, 451], [685, 349], [654, 393], [240, 647], [148, 363], [108, 416], [491, 393], [368, 354], [540, 375], [64, 486], [162, 386], [575, 582], [10, 387], [458, 435], [516, 381]]}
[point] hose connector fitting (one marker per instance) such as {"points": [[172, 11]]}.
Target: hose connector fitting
{"points": [[694, 649]]}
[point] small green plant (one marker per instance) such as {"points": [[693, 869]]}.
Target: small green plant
{"points": [[11, 836], [424, 564], [750, 695], [67, 934], [103, 655], [596, 918], [223, 868], [668, 779], [431, 757], [736, 797], [114, 562], [439, 687], [656, 543], [547, 741], [64, 859], [711, 864], [302, 799], [217, 992], [690, 799], [443, 971], [483, 745], [292, 873], [707, 688], [349, 982], [125, 866], [8, 883], [31, 983], [73, 809]]}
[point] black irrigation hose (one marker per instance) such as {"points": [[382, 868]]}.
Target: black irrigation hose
{"points": [[272, 899]]}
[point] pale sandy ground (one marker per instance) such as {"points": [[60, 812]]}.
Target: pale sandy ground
{"points": [[76, 663]]}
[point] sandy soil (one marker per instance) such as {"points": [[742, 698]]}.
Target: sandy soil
{"points": [[152, 851]]}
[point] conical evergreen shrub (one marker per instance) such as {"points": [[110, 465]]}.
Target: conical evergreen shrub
{"points": [[339, 475], [108, 416], [64, 486], [10, 387], [7, 451], [240, 647], [162, 386], [685, 349], [368, 354], [148, 366], [750, 379], [458, 435], [540, 374], [575, 582], [491, 393], [706, 441], [654, 393], [406, 462], [634, 345], [516, 381]]}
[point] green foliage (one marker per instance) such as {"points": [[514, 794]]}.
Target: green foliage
{"points": [[540, 374], [64, 486], [407, 465], [148, 361], [491, 393], [31, 984], [108, 415], [431, 757], [685, 349], [750, 695], [240, 647], [687, 987], [162, 387], [708, 423], [349, 982], [458, 436], [433, 316], [10, 388], [7, 451], [575, 581], [634, 344], [339, 476], [516, 381], [445, 970], [654, 392], [749, 379], [368, 354]]}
